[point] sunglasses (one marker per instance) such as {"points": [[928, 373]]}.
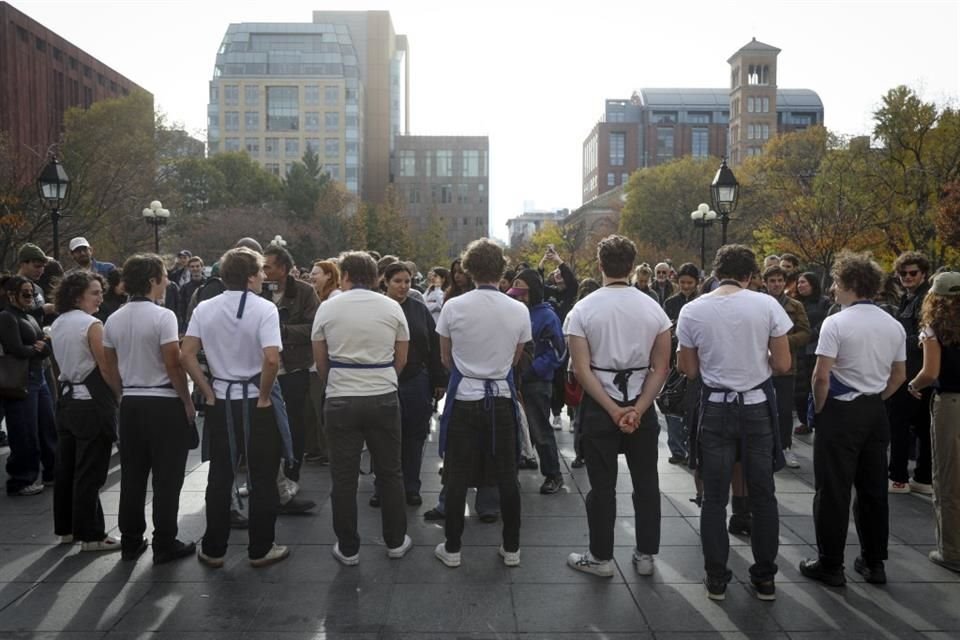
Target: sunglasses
{"points": [[911, 272], [26, 295]]}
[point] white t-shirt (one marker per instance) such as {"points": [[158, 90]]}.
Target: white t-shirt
{"points": [[731, 334], [620, 325], [865, 341], [485, 327], [71, 347], [136, 331], [361, 327], [234, 347]]}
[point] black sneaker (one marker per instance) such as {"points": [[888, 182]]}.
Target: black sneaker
{"points": [[814, 570], [551, 485], [766, 591], [414, 499], [295, 506], [238, 520], [716, 589], [529, 463], [874, 574], [130, 552], [374, 501], [175, 552], [434, 515], [489, 518], [740, 524], [677, 460]]}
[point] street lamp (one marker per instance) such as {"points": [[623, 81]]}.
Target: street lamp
{"points": [[724, 191], [53, 185], [703, 217], [156, 215]]}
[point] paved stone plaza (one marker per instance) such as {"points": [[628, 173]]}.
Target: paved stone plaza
{"points": [[49, 591]]}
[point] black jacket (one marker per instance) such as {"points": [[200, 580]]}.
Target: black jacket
{"points": [[18, 333], [424, 350], [562, 301], [908, 313]]}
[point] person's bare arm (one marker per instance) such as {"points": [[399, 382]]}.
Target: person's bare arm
{"points": [[321, 358], [268, 375], [780, 359], [400, 350], [656, 374], [898, 375], [446, 353], [688, 362], [580, 354], [932, 354], [188, 360], [820, 383]]}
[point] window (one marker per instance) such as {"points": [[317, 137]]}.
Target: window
{"points": [[213, 147], [251, 120], [231, 144], [700, 142], [664, 144], [313, 145], [252, 145], [624, 177], [214, 91], [664, 117], [446, 194], [618, 144], [698, 117], [287, 166], [413, 195], [766, 105], [311, 121], [333, 170], [444, 160], [463, 194], [408, 163], [271, 147], [750, 105], [231, 121], [471, 164], [231, 95], [311, 95], [41, 45], [331, 147], [331, 95], [273, 168], [351, 121], [283, 110], [251, 95], [331, 120], [481, 190], [291, 147], [750, 132], [765, 131], [611, 179]]}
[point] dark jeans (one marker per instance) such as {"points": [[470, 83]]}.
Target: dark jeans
{"points": [[32, 434], [486, 501], [315, 441], [722, 430], [482, 442], [906, 412], [263, 460], [154, 433], [536, 405], [295, 387], [84, 445], [850, 450], [801, 389], [784, 387], [601, 443], [350, 421], [416, 407]]}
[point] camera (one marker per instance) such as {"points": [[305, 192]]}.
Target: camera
{"points": [[271, 286]]}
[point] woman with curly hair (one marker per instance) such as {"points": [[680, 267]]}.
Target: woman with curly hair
{"points": [[940, 318], [460, 282]]}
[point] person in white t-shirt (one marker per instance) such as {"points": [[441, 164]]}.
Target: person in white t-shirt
{"points": [[142, 349], [482, 333], [620, 346], [360, 341], [861, 361], [239, 333], [736, 340]]}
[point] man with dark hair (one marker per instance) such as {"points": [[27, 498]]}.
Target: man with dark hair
{"points": [[196, 280], [240, 336], [738, 411], [620, 346], [482, 334], [180, 274], [909, 416], [789, 263], [297, 305], [860, 363], [142, 350], [688, 277], [774, 279], [560, 290], [82, 254], [360, 343]]}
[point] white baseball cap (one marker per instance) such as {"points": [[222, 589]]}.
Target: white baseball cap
{"points": [[78, 242]]}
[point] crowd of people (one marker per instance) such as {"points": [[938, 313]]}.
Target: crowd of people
{"points": [[292, 366]]}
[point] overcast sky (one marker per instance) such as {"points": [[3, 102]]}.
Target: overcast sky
{"points": [[533, 75]]}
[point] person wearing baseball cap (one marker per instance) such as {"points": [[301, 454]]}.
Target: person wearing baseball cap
{"points": [[82, 254], [180, 274]]}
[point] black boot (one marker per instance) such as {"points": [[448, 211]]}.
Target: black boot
{"points": [[741, 521]]}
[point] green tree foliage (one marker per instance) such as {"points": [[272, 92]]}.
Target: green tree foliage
{"points": [[304, 183], [432, 244], [245, 181], [569, 242], [385, 226]]}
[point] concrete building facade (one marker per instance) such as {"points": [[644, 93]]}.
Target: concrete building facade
{"points": [[524, 226]]}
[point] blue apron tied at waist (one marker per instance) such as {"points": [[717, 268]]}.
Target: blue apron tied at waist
{"points": [[148, 386], [771, 401], [340, 364], [622, 378], [489, 395], [837, 388]]}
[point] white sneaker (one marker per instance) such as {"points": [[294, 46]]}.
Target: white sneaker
{"points": [[586, 563], [643, 562], [510, 558], [452, 560], [556, 423], [399, 552], [348, 561], [921, 487], [277, 553], [243, 491], [898, 487], [31, 489], [107, 544], [791, 459], [67, 539]]}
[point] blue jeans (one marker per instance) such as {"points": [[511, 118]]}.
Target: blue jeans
{"points": [[722, 431], [32, 433], [536, 405], [677, 435]]}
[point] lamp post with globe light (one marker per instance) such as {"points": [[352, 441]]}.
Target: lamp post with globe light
{"points": [[53, 185], [703, 217], [724, 191], [156, 215]]}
